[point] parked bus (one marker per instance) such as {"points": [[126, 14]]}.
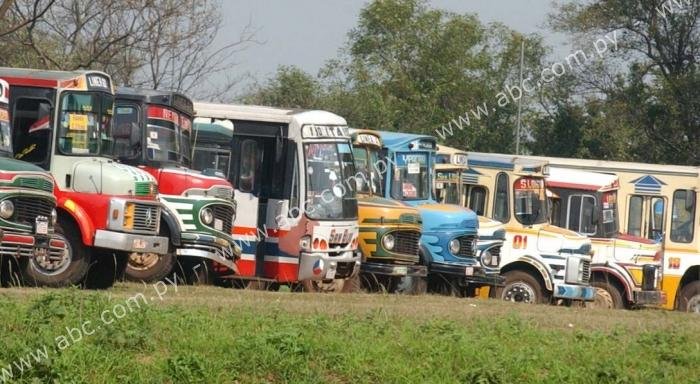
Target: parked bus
{"points": [[659, 202], [291, 170], [27, 210], [626, 270], [541, 263], [450, 238], [152, 130], [390, 230], [61, 122]]}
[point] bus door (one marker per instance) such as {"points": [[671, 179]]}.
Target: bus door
{"points": [[645, 216]]}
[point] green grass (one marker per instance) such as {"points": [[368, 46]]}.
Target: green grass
{"points": [[211, 335]]}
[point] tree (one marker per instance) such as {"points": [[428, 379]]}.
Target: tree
{"points": [[290, 87]]}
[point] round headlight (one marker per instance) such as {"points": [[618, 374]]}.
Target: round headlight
{"points": [[54, 216], [207, 216], [486, 258], [305, 243], [454, 246], [7, 209], [388, 241]]}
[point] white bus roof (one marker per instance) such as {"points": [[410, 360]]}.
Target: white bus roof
{"points": [[576, 179], [267, 114], [619, 166]]}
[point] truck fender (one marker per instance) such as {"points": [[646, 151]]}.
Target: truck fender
{"points": [[617, 275], [85, 224], [173, 226], [539, 266]]}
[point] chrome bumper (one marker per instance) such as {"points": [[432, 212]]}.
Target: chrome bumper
{"points": [[574, 292], [209, 247], [322, 266], [130, 242]]}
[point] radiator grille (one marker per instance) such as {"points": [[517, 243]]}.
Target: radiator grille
{"points": [[146, 217], [586, 271], [28, 208], [224, 213], [406, 242], [466, 246]]}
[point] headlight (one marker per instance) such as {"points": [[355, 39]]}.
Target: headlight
{"points": [[388, 241], [454, 246], [54, 216], [7, 209], [305, 243], [207, 216], [486, 258]]}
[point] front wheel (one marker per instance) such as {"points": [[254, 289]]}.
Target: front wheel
{"points": [[607, 296], [521, 287], [689, 300], [107, 267], [149, 267], [57, 269]]}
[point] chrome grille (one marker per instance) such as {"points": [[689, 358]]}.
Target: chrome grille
{"points": [[586, 271], [146, 217], [465, 246], [224, 213], [406, 242], [28, 208], [25, 250], [222, 193]]}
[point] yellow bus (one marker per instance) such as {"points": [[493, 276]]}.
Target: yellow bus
{"points": [[541, 263], [626, 269], [659, 202]]}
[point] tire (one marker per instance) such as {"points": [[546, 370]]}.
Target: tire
{"points": [[149, 267], [197, 271], [70, 270], [521, 287], [607, 296], [689, 298], [107, 267], [410, 285]]}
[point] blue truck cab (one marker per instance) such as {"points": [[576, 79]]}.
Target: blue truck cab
{"points": [[449, 244]]}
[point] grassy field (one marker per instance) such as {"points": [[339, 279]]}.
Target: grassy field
{"points": [[164, 334]]}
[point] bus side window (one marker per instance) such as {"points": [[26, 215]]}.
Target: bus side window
{"points": [[32, 130], [501, 209], [248, 166], [656, 219], [477, 200], [634, 221], [683, 216]]}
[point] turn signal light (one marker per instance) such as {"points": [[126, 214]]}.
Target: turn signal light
{"points": [[129, 215]]}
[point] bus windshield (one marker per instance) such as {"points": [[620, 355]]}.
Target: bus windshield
{"points": [[411, 177], [369, 179], [84, 123], [163, 130], [447, 187], [5, 141], [530, 201], [329, 193]]}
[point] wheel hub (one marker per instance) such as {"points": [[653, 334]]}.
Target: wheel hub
{"points": [[143, 261], [694, 304], [52, 264], [519, 293]]}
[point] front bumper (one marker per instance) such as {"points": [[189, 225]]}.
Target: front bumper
{"points": [[323, 266], [394, 270], [651, 298], [574, 292], [471, 274], [130, 242], [23, 245], [209, 247]]}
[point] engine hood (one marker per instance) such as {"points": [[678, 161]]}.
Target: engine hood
{"points": [[553, 239], [103, 176], [184, 181], [377, 210], [445, 217], [20, 174], [490, 229]]}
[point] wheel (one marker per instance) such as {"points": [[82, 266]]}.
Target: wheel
{"points": [[607, 296], [410, 285], [196, 271], [689, 299], [323, 286], [521, 287], [106, 268], [149, 267], [67, 268]]}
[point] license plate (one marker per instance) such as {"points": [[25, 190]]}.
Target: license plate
{"points": [[139, 244], [42, 226], [469, 271], [218, 224], [402, 271], [330, 274]]}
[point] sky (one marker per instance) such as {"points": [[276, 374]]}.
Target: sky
{"points": [[306, 33]]}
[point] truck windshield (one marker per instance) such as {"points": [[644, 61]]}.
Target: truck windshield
{"points": [[530, 200], [369, 179], [411, 177], [329, 193], [162, 131], [5, 142], [447, 187], [84, 123]]}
